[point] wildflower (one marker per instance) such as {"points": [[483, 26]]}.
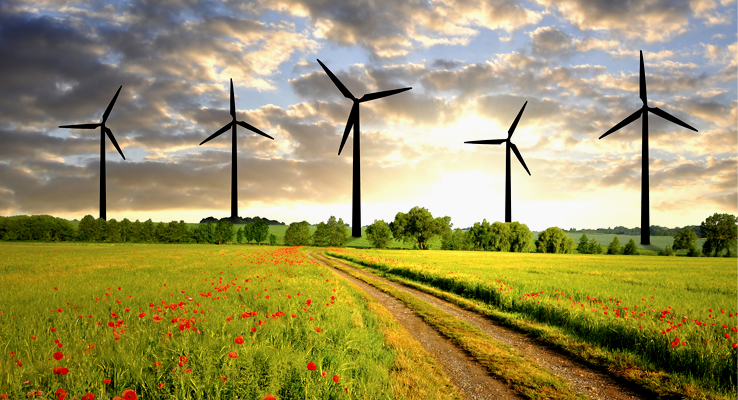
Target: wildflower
{"points": [[318, 330], [335, 378], [61, 394], [239, 339], [129, 394], [88, 396], [311, 366], [106, 381], [159, 386], [269, 397], [223, 378], [61, 370], [232, 354], [323, 374], [58, 355]]}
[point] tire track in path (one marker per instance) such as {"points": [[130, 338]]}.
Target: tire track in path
{"points": [[471, 379], [580, 377]]}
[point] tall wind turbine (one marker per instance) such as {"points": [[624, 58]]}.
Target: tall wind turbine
{"points": [[645, 109], [508, 145], [353, 121], [104, 130], [234, 171]]}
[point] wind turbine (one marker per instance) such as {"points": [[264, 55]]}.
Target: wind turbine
{"points": [[104, 130], [234, 172], [508, 145], [645, 109], [353, 121]]}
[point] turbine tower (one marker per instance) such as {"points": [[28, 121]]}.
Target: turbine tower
{"points": [[508, 145], [645, 109], [353, 121], [104, 130], [234, 171]]}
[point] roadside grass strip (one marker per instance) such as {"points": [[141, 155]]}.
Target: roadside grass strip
{"points": [[622, 364], [522, 374]]}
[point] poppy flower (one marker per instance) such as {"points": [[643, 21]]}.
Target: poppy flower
{"points": [[118, 398], [20, 364], [183, 359], [33, 337], [318, 330], [335, 378], [53, 330], [58, 355], [161, 385], [311, 366], [239, 339], [269, 397], [129, 394], [143, 314], [113, 315], [232, 354], [61, 370], [223, 378], [323, 374], [106, 381], [156, 318], [61, 394], [88, 396]]}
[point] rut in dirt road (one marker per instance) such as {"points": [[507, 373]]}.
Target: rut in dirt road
{"points": [[471, 379], [580, 377]]}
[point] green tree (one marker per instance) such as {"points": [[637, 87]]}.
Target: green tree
{"points": [[418, 226], [337, 232], [248, 232], [272, 239], [554, 240], [501, 235], [521, 238], [320, 237], [297, 234], [630, 249], [239, 235], [126, 230], [148, 231], [86, 229], [667, 251], [583, 246], [480, 237], [261, 231], [457, 240], [721, 233], [686, 239], [112, 233], [160, 233], [595, 247], [224, 230], [614, 247], [379, 234], [100, 230]]}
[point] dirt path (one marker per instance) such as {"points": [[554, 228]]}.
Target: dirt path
{"points": [[581, 378], [470, 378]]}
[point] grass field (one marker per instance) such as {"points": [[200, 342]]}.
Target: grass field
{"points": [[190, 321], [678, 314]]}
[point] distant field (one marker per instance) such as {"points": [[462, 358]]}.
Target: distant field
{"points": [[675, 312]]}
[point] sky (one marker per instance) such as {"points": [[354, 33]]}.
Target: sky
{"points": [[472, 64]]}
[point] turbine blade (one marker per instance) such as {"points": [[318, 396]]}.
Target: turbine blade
{"points": [[233, 102], [221, 130], [626, 121], [515, 123], [252, 128], [80, 126], [643, 80], [338, 83], [112, 139], [520, 158], [379, 95], [349, 124], [110, 106], [663, 114], [488, 141]]}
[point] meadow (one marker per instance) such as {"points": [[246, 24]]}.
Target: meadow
{"points": [[673, 314], [192, 321]]}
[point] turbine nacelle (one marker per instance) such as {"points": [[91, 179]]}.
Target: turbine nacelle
{"points": [[508, 141]]}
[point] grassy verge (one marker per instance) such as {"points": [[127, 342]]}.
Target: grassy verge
{"points": [[623, 364], [525, 377]]}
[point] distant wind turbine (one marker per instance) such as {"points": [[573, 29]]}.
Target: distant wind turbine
{"points": [[353, 121], [104, 130], [234, 171], [509, 145], [645, 212]]}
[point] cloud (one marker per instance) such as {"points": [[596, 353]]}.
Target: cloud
{"points": [[549, 41]]}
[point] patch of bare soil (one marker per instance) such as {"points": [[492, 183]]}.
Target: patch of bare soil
{"points": [[580, 377], [470, 378]]}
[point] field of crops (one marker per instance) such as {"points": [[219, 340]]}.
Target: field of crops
{"points": [[678, 314], [195, 321]]}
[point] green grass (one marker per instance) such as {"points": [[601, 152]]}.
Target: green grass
{"points": [[589, 297], [71, 293]]}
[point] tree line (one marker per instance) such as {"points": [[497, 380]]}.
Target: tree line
{"points": [[654, 230], [332, 233]]}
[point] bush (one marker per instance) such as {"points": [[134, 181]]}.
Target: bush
{"points": [[630, 249], [667, 251], [614, 247], [554, 240]]}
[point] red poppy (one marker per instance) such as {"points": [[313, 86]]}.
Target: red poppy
{"points": [[253, 329], [33, 337], [187, 371], [20, 364], [335, 378], [318, 330], [58, 355], [311, 366], [113, 315], [232, 354], [223, 378], [88, 396], [118, 398], [53, 329], [106, 381], [161, 385], [323, 374], [143, 314], [156, 318], [183, 359], [61, 394], [269, 397], [129, 394], [61, 370], [3, 396], [239, 339]]}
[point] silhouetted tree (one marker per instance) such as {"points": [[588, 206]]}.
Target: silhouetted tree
{"points": [[379, 234]]}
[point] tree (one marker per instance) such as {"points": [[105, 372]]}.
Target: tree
{"points": [[554, 240], [630, 249], [148, 231], [86, 229], [239, 235], [614, 247], [224, 230], [458, 240], [595, 247], [480, 237], [297, 234], [112, 233], [248, 232], [379, 234], [126, 230], [667, 251], [521, 238], [721, 233], [260, 231], [500, 236], [204, 233], [686, 239], [320, 237], [583, 246], [337, 232], [272, 239], [419, 226]]}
